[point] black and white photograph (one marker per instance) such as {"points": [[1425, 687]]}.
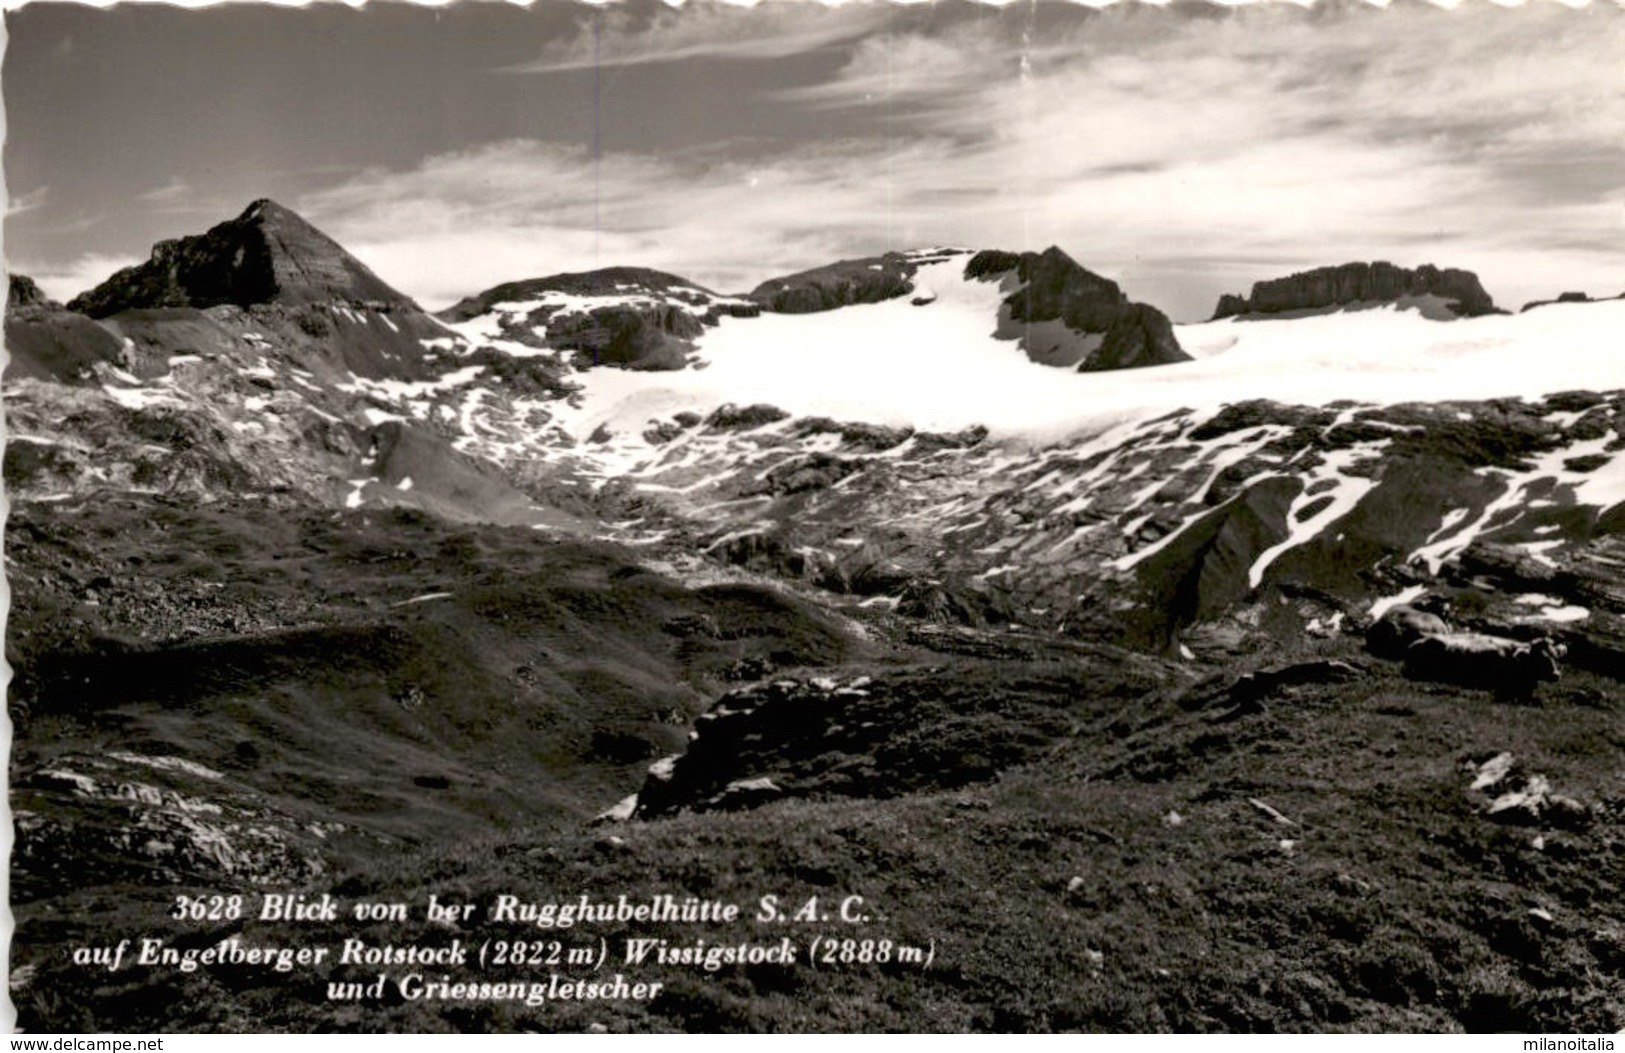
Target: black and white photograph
{"points": [[785, 518]]}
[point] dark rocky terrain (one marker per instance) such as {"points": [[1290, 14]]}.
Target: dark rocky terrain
{"points": [[1569, 297], [1051, 287], [266, 255], [868, 280], [631, 317], [1360, 284], [314, 592]]}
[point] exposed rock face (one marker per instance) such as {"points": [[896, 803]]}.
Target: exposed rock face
{"points": [[49, 342], [1569, 297], [1141, 336], [868, 280], [266, 255], [1230, 305], [1055, 288], [266, 280], [1360, 283], [25, 293], [632, 317], [620, 282]]}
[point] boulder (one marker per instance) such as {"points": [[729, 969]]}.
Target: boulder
{"points": [[1478, 660], [1399, 627]]}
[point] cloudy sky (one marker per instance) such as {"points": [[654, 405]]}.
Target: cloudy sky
{"points": [[1184, 150]]}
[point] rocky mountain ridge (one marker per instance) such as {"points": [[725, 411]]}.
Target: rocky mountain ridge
{"points": [[268, 254], [631, 317], [1052, 288], [1357, 284]]}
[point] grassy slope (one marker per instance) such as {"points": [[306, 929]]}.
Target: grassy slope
{"points": [[1061, 895], [280, 649]]}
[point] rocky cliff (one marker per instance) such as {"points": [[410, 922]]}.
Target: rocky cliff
{"points": [[842, 284], [1051, 287], [1354, 284]]}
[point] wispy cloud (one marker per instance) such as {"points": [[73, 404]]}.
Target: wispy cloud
{"points": [[523, 208], [28, 202], [170, 193], [64, 281], [704, 30], [1157, 146]]}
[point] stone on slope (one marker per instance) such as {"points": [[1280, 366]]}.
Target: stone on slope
{"points": [[1568, 297]]}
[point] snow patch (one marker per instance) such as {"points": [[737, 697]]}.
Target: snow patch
{"points": [[1345, 494], [1403, 596], [172, 764]]}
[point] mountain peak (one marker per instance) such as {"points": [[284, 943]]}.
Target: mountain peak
{"points": [[265, 210], [25, 292], [269, 254]]}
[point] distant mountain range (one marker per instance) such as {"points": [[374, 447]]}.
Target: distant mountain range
{"points": [[346, 579]]}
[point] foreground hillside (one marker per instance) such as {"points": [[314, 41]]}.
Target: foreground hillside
{"points": [[1084, 838], [956, 581]]}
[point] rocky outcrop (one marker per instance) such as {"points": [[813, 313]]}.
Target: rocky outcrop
{"points": [[1141, 336], [631, 317], [877, 736], [1569, 297], [267, 255], [1360, 283], [1054, 288], [26, 293], [1230, 305], [868, 280], [623, 283]]}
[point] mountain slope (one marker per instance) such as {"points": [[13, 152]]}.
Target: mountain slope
{"points": [[268, 254], [632, 317], [46, 341], [856, 587]]}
